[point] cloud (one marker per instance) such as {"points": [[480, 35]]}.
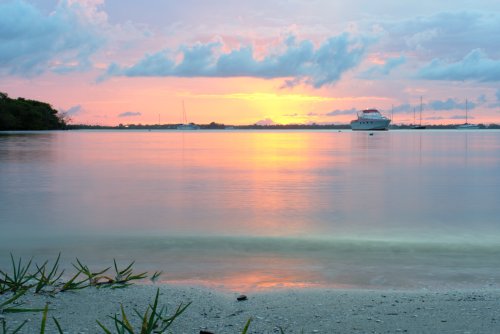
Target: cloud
{"points": [[434, 118], [440, 106], [445, 34], [75, 110], [449, 104], [403, 108], [461, 117], [475, 66], [385, 69], [482, 99], [298, 60], [256, 96], [129, 114], [337, 112], [496, 103], [63, 41]]}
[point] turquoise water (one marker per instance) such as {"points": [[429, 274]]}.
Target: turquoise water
{"points": [[260, 209]]}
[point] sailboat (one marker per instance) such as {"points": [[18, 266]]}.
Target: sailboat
{"points": [[467, 126], [420, 126], [185, 125]]}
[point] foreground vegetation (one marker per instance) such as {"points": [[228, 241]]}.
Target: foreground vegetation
{"points": [[26, 277], [23, 114]]}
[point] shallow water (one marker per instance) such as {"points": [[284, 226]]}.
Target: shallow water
{"points": [[260, 209]]}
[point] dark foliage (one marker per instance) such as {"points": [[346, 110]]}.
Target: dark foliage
{"points": [[23, 114]]}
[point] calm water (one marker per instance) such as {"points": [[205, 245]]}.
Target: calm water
{"points": [[259, 209]]}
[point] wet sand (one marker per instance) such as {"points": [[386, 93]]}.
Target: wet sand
{"points": [[295, 311]]}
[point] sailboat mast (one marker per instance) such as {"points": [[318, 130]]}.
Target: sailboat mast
{"points": [[466, 111], [184, 117], [420, 110]]}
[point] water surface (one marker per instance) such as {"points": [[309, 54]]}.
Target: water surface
{"points": [[258, 209]]}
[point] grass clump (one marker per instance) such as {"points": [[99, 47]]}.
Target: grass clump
{"points": [[121, 279], [125, 276], [45, 277], [23, 277], [156, 275], [92, 277], [19, 277], [154, 320]]}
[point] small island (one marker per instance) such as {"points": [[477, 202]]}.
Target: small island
{"points": [[23, 114]]}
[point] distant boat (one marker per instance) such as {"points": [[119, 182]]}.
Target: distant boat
{"points": [[420, 126], [467, 126], [370, 119], [185, 125], [190, 126]]}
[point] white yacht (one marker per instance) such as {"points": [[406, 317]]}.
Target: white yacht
{"points": [[467, 126], [370, 119], [188, 126]]}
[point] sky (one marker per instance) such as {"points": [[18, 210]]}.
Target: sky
{"points": [[111, 62]]}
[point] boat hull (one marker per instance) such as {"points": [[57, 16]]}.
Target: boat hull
{"points": [[467, 127], [370, 124], [188, 127]]}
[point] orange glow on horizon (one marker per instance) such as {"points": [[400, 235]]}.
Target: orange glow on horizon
{"points": [[231, 101]]}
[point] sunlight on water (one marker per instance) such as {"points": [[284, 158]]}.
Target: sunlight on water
{"points": [[260, 209]]}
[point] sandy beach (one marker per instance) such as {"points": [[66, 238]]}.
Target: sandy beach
{"points": [[295, 311]]}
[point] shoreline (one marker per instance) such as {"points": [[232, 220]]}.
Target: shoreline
{"points": [[309, 310]]}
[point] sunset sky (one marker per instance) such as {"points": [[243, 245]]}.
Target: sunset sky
{"points": [[244, 62]]}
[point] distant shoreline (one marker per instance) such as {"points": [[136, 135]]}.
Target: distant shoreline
{"points": [[220, 126], [264, 127]]}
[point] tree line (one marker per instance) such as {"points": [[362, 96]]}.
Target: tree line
{"points": [[24, 114]]}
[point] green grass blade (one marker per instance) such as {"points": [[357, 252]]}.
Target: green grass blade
{"points": [[18, 328], [245, 329], [59, 329], [22, 310], [145, 325], [125, 319], [55, 267], [44, 319], [168, 321], [107, 331], [116, 267], [13, 298], [153, 308], [123, 327], [156, 275]]}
